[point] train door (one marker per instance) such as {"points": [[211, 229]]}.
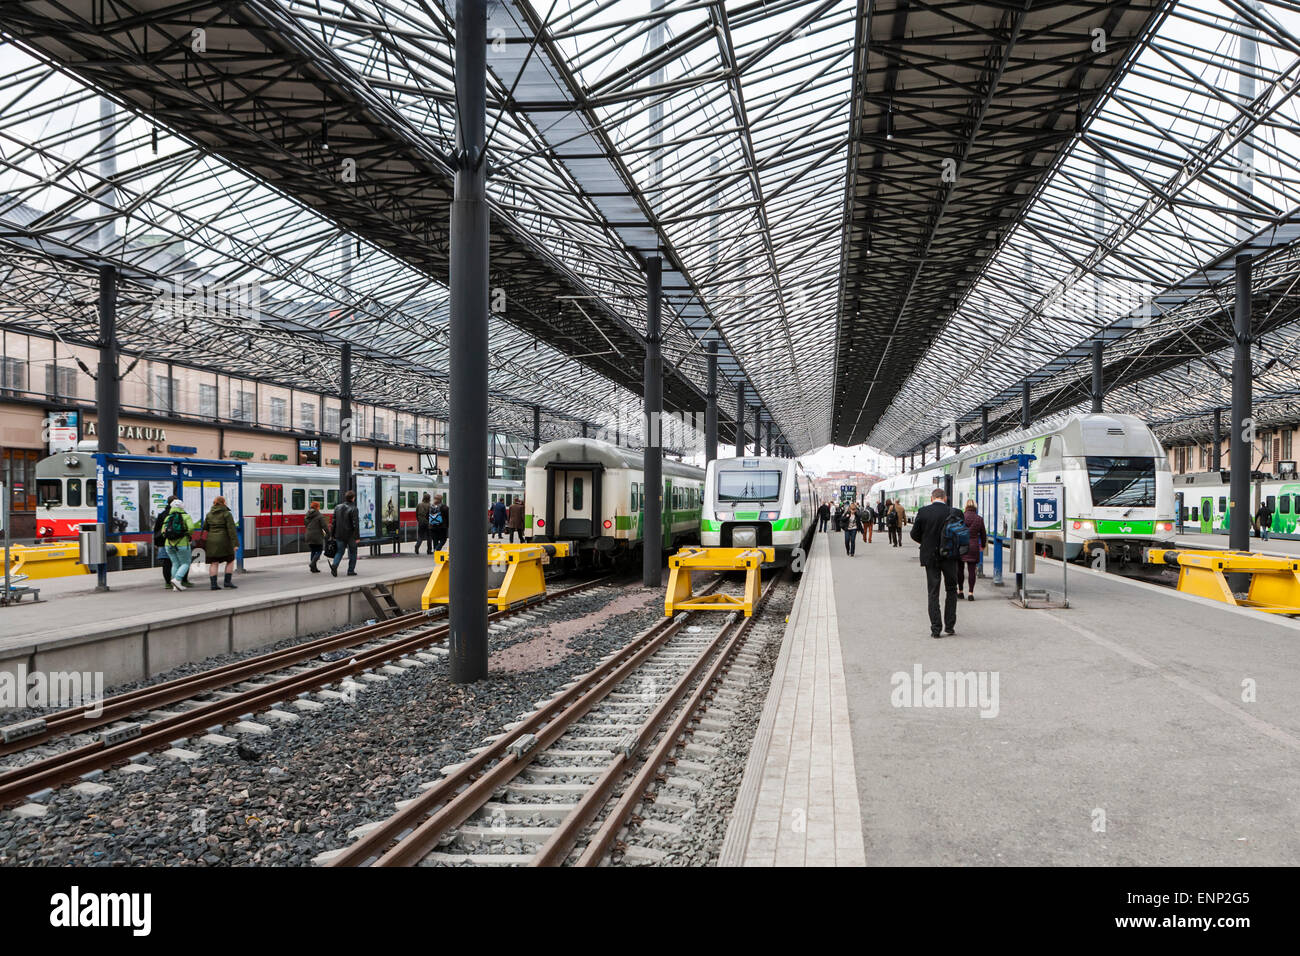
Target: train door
{"points": [[573, 502], [1207, 515], [272, 501], [666, 516]]}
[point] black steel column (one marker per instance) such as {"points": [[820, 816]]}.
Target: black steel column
{"points": [[924, 449], [345, 421], [467, 640], [758, 430], [1240, 450], [984, 425], [1097, 389], [107, 391], [1216, 457], [584, 429], [652, 557], [740, 421], [1026, 419], [537, 427], [711, 407]]}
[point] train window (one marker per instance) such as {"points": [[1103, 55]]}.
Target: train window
{"points": [[577, 494], [1272, 503], [796, 493], [1284, 504], [1196, 513], [1223, 504], [299, 499], [1047, 446], [636, 497], [49, 491], [316, 495], [74, 492], [332, 499], [92, 492]]}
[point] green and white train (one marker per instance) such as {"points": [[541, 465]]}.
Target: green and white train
{"points": [[765, 502], [1119, 494], [592, 494]]}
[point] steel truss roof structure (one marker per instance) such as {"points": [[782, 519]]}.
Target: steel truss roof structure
{"points": [[1192, 159], [884, 214]]}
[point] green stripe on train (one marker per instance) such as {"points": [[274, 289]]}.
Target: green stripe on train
{"points": [[1126, 527], [782, 524]]}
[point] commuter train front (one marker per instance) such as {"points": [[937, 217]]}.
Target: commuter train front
{"points": [[765, 502], [1119, 495]]}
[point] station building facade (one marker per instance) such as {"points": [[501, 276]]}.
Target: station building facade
{"points": [[47, 404]]}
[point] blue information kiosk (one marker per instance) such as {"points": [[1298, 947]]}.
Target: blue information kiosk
{"points": [[997, 494], [132, 486]]}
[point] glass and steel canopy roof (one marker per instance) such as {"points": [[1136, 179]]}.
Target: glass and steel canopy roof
{"points": [[788, 160]]}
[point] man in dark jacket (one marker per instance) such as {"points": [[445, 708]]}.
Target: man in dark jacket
{"points": [[927, 530], [823, 516], [347, 532], [422, 523], [499, 515], [160, 547], [1263, 520], [439, 517]]}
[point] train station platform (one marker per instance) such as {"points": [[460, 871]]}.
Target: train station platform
{"points": [[138, 628], [1283, 547], [1137, 727]]}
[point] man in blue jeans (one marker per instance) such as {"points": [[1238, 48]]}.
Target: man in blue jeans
{"points": [[347, 532]]}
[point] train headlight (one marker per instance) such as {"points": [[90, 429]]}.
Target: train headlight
{"points": [[608, 524], [771, 515], [724, 515], [541, 522], [1166, 526], [1086, 527]]}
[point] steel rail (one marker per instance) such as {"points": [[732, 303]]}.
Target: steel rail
{"points": [[182, 688], [557, 848], [407, 836], [62, 767]]}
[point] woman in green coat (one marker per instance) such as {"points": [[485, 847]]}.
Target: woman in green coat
{"points": [[223, 539]]}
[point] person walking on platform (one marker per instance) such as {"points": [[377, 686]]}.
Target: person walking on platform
{"points": [[823, 516], [837, 517], [901, 513], [223, 541], [891, 524], [1263, 520], [347, 532], [439, 518], [160, 546], [314, 527], [422, 534], [515, 520], [852, 524], [940, 563], [979, 539], [868, 522], [176, 528], [498, 515]]}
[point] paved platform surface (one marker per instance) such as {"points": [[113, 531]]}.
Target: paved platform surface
{"points": [[798, 804], [1121, 735], [1274, 545], [71, 607]]}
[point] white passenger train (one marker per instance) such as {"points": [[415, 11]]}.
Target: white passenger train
{"points": [[765, 502], [1119, 495], [593, 494]]}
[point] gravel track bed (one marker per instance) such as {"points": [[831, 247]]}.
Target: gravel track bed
{"points": [[283, 792], [703, 814]]}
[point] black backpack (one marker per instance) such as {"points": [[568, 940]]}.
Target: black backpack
{"points": [[955, 538], [175, 526]]}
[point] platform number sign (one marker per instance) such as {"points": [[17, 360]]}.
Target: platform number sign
{"points": [[1046, 503]]}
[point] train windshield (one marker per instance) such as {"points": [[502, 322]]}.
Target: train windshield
{"points": [[749, 485], [1122, 482]]}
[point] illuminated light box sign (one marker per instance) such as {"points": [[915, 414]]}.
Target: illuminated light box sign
{"points": [[182, 450], [278, 457], [240, 454]]}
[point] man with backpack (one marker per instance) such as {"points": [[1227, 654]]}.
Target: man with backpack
{"points": [[942, 533], [438, 523], [347, 532]]}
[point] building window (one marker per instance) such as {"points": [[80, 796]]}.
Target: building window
{"points": [[331, 421], [279, 412], [161, 397], [1286, 444], [379, 430], [307, 416], [241, 406], [13, 374], [408, 434], [208, 401], [60, 382]]}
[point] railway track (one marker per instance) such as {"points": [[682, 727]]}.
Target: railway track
{"points": [[254, 685], [535, 792]]}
